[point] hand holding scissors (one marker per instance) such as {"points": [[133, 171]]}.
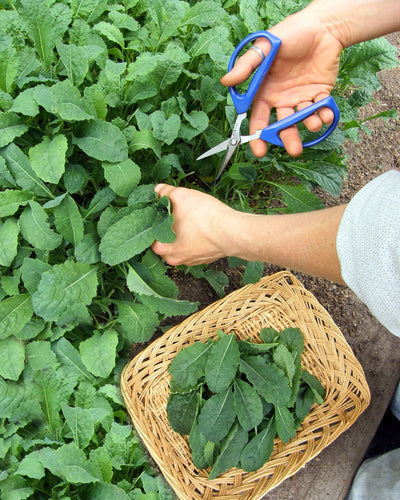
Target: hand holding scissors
{"points": [[242, 103]]}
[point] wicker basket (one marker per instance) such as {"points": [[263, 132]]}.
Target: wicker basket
{"points": [[278, 301]]}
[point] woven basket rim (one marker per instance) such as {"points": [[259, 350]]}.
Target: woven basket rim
{"points": [[278, 300]]}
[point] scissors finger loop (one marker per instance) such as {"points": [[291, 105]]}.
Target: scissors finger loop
{"points": [[259, 52]]}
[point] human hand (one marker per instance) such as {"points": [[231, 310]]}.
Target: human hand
{"points": [[202, 226], [303, 72]]}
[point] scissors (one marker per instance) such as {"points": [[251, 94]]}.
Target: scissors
{"points": [[243, 101]]}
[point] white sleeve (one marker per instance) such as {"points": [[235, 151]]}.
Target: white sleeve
{"points": [[368, 246]]}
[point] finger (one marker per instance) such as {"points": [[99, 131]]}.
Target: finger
{"points": [[246, 64], [326, 114], [259, 119], [312, 122], [290, 136], [163, 189]]}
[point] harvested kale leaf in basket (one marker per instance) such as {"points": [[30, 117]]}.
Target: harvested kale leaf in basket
{"points": [[233, 397]]}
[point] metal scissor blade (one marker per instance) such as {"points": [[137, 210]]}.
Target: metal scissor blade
{"points": [[231, 149], [222, 146]]}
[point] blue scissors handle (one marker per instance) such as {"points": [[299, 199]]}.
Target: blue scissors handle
{"points": [[271, 132], [242, 102]]}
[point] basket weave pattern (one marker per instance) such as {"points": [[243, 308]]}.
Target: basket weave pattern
{"points": [[278, 301]]}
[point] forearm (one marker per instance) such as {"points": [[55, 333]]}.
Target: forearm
{"points": [[354, 21], [305, 242], [207, 229]]}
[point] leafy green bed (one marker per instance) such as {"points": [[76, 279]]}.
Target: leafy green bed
{"points": [[100, 99]]}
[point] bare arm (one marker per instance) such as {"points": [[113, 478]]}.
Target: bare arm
{"points": [[207, 230]]}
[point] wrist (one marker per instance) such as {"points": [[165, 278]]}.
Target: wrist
{"points": [[355, 21]]}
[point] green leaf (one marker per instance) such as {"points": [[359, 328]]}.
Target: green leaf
{"points": [[12, 358], [284, 360], [99, 351], [89, 10], [154, 300], [36, 230], [249, 11], [144, 139], [40, 356], [189, 364], [68, 220], [9, 231], [10, 283], [25, 103], [111, 32], [64, 291], [253, 272], [31, 466], [48, 158], [165, 129], [201, 449], [101, 140], [285, 424], [259, 449], [304, 401], [230, 451], [95, 102], [269, 335], [222, 362], [15, 487], [100, 201], [15, 312], [320, 172], [217, 279], [122, 176], [293, 339], [9, 63], [298, 199], [209, 41], [39, 24], [315, 385], [138, 321], [88, 249], [11, 126], [370, 56], [81, 423], [128, 237], [217, 416], [75, 61], [70, 357], [167, 71], [182, 411], [69, 463], [105, 491], [203, 14], [32, 270], [248, 405], [269, 381], [67, 102], [21, 170], [252, 348], [12, 199], [100, 464]]}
